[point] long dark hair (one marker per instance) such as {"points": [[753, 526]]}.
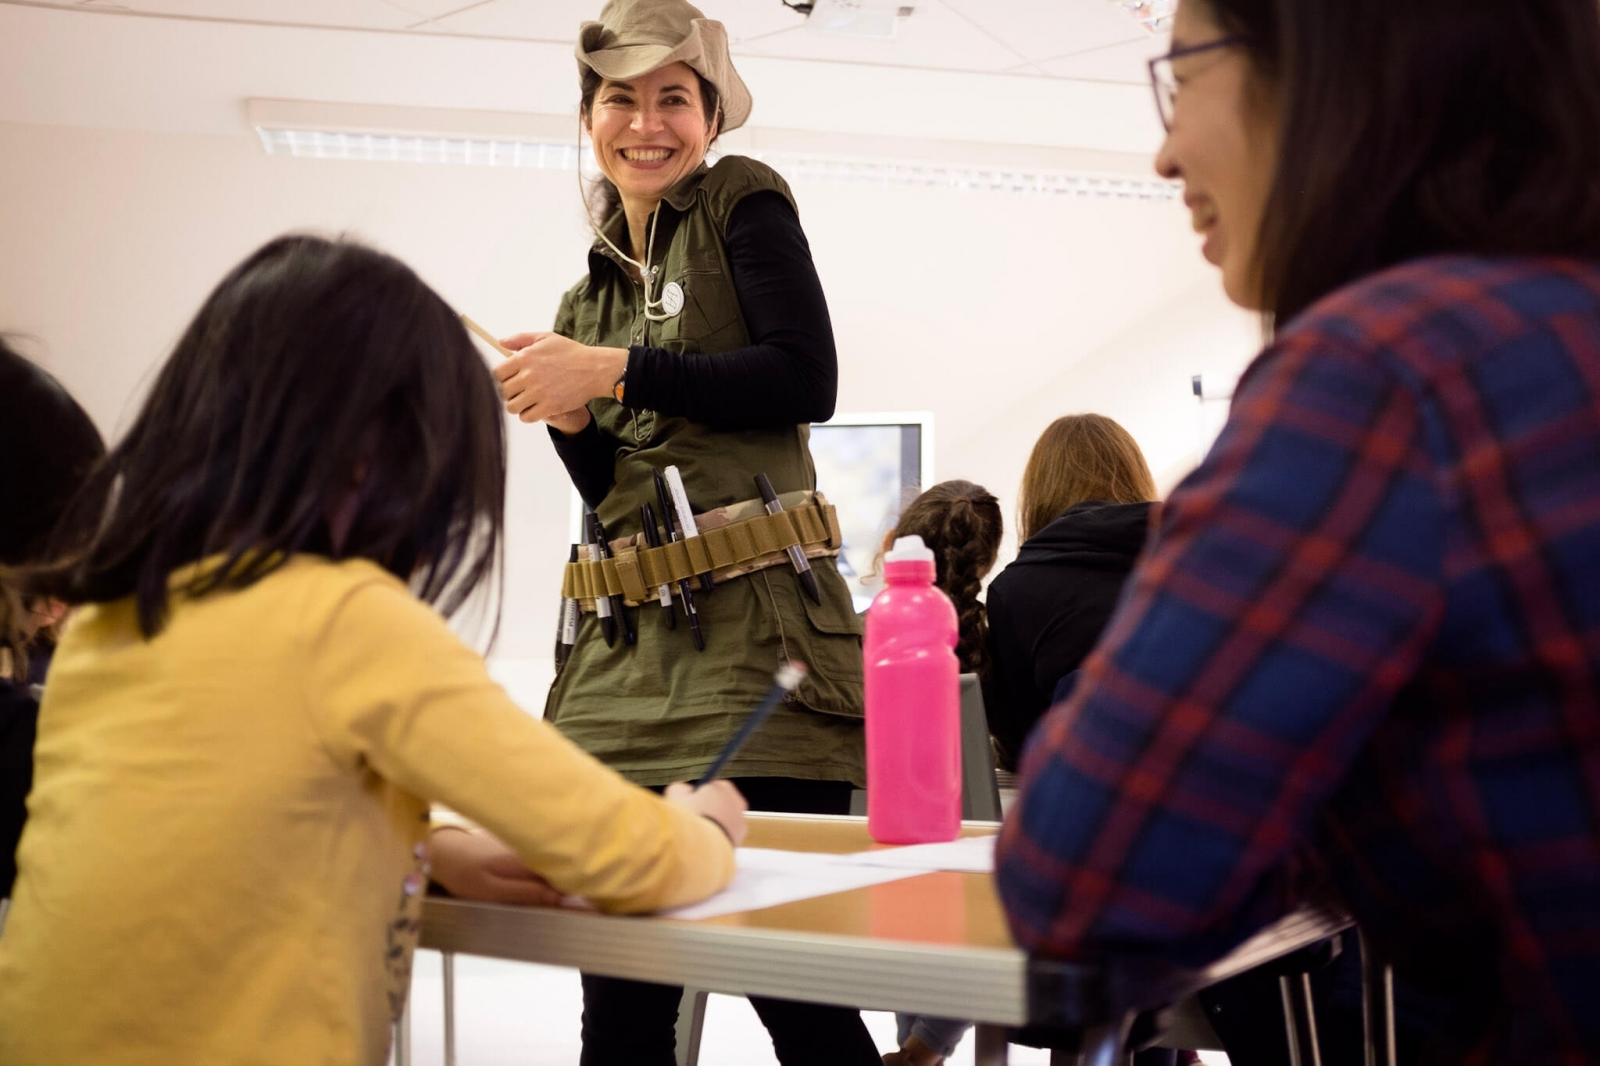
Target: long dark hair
{"points": [[961, 523], [601, 197], [1417, 127], [318, 377]]}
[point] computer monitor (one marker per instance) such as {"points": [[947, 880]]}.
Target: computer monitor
{"points": [[869, 466]]}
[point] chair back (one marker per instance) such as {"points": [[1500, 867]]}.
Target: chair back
{"points": [[980, 792]]}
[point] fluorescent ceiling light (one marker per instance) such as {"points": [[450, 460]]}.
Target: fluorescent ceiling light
{"points": [[912, 175], [407, 148], [461, 151], [366, 133]]}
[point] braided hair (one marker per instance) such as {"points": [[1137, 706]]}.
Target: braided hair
{"points": [[961, 523]]}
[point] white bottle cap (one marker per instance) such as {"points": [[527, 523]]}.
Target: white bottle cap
{"points": [[909, 550]]}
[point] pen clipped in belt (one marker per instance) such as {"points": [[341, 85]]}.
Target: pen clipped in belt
{"points": [[619, 605], [686, 594], [602, 604], [797, 554], [567, 623], [652, 537]]}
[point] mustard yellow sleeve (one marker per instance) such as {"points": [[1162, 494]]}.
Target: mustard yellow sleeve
{"points": [[392, 689]]}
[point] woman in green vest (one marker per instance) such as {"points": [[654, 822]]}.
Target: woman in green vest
{"points": [[698, 338]]}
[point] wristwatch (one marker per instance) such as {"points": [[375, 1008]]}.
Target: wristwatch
{"points": [[616, 390]]}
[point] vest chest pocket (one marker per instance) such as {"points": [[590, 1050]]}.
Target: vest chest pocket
{"points": [[709, 320]]}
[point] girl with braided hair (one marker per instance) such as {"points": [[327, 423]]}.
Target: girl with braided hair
{"points": [[960, 522]]}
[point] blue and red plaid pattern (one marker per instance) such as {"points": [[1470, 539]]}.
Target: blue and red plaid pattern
{"points": [[1363, 646]]}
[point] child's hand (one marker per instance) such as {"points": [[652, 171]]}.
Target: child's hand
{"points": [[477, 866], [719, 801]]}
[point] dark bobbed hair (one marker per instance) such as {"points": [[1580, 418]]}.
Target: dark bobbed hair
{"points": [[601, 197], [48, 445], [1421, 127], [961, 523], [319, 376]]}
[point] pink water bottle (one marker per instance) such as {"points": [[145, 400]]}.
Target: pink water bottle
{"points": [[913, 704]]}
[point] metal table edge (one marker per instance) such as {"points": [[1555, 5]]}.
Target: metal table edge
{"points": [[985, 984]]}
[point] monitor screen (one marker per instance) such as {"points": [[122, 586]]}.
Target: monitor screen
{"points": [[869, 466]]}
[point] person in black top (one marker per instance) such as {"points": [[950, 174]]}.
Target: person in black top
{"points": [[1083, 512], [47, 447]]}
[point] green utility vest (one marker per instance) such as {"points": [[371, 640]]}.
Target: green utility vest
{"points": [[661, 711]]}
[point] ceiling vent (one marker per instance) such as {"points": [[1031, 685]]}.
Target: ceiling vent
{"points": [[878, 19], [1153, 15]]}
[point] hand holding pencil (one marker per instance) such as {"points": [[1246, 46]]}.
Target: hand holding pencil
{"points": [[719, 801], [524, 378]]}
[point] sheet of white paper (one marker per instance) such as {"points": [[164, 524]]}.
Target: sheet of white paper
{"points": [[972, 855], [766, 878]]}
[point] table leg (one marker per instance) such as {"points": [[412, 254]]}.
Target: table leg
{"points": [[448, 961], [1103, 1046], [691, 1019], [989, 1046], [402, 1036], [1290, 1026], [1377, 1006], [1311, 1019]]}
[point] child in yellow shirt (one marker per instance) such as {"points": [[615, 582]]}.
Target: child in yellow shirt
{"points": [[227, 839]]}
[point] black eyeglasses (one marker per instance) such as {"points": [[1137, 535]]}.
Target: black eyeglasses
{"points": [[1165, 83]]}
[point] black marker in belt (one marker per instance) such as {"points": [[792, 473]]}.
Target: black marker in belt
{"points": [[788, 679], [619, 605], [602, 606], [567, 623], [652, 537], [797, 554], [664, 498]]}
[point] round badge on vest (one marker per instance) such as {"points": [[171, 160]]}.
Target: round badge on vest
{"points": [[672, 298]]}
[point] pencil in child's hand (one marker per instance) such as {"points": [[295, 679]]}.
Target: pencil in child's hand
{"points": [[787, 679]]}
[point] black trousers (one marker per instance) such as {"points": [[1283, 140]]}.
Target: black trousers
{"points": [[633, 1023]]}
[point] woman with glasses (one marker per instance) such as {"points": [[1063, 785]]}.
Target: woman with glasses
{"points": [[1364, 646]]}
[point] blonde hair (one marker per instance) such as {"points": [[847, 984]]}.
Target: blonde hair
{"points": [[1079, 458]]}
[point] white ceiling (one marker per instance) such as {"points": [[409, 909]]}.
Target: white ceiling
{"points": [[1080, 40]]}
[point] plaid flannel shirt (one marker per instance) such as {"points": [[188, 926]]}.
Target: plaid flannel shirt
{"points": [[1362, 646]]}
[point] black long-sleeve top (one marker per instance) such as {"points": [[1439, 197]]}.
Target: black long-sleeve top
{"points": [[1047, 610], [788, 374]]}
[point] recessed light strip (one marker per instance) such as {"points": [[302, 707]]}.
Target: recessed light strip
{"points": [[487, 152], [404, 148]]}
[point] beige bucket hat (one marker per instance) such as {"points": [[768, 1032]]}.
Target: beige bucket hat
{"points": [[634, 37]]}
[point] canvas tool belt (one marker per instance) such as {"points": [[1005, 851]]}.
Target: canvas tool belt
{"points": [[735, 540]]}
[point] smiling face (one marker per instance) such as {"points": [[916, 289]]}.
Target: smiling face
{"points": [[649, 131], [1222, 146]]}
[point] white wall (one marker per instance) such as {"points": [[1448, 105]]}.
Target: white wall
{"points": [[997, 312]]}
